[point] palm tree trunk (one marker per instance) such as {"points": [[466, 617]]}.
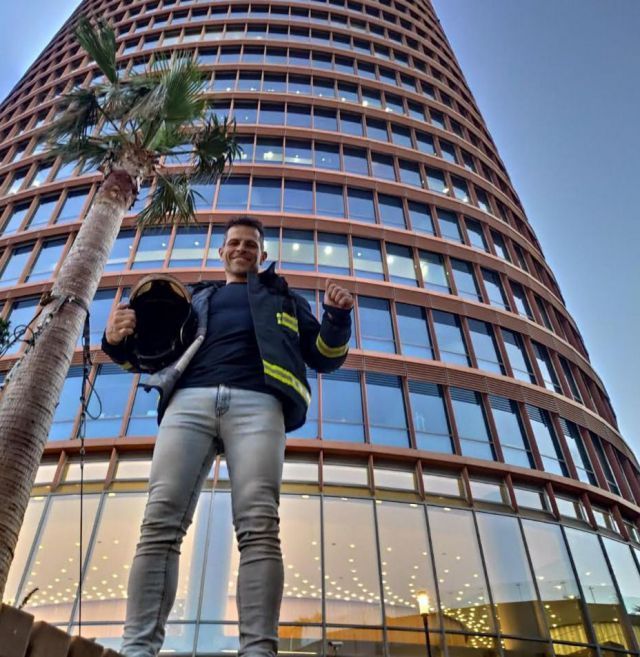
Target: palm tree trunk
{"points": [[30, 399]]}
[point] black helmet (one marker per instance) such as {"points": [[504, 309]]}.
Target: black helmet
{"points": [[165, 322]]}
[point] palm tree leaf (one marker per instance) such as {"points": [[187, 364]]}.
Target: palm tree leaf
{"points": [[93, 150], [215, 146], [99, 41], [79, 112], [175, 99], [173, 201]]}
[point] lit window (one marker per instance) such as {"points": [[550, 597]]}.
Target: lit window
{"points": [[434, 273]]}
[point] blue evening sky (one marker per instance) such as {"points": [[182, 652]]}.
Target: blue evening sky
{"points": [[558, 83]]}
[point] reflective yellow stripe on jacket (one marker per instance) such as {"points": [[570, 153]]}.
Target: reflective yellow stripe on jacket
{"points": [[286, 377], [330, 352], [287, 320]]}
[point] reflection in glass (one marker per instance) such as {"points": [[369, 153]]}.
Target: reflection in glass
{"points": [[387, 414], [414, 333], [475, 439], [556, 582], [406, 567], [53, 567], [430, 423], [514, 595], [599, 592], [376, 330], [342, 406], [626, 573], [351, 569], [464, 596]]}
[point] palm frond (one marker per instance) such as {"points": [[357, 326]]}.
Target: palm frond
{"points": [[173, 201], [79, 112], [93, 150], [99, 41], [175, 99], [215, 146]]}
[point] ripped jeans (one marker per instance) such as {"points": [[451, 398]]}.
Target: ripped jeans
{"points": [[200, 423]]}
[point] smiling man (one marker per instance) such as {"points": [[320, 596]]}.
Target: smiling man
{"points": [[244, 387]]}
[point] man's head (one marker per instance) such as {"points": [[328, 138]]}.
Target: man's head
{"points": [[242, 250]]}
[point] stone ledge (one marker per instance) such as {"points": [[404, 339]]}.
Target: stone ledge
{"points": [[20, 636]]}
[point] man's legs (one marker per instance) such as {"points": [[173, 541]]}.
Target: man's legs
{"points": [[185, 449], [253, 435]]}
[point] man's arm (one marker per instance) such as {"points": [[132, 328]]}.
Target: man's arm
{"points": [[325, 345]]}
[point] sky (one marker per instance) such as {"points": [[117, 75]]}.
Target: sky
{"points": [[558, 83]]}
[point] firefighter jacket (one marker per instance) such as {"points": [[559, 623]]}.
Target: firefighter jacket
{"points": [[288, 335]]}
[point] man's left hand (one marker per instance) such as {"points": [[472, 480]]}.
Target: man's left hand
{"points": [[337, 296]]}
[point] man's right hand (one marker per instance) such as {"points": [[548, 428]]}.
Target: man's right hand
{"points": [[122, 323]]}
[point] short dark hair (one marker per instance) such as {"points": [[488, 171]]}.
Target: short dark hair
{"points": [[245, 221]]}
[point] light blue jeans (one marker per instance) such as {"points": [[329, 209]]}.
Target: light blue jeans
{"points": [[199, 423]]}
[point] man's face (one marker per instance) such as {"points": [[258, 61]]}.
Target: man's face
{"points": [[241, 252]]}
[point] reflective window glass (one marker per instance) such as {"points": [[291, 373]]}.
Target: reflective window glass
{"points": [[377, 129], [449, 338], [17, 215], [351, 124], [414, 333], [400, 264], [547, 441], [517, 356], [246, 113], [500, 246], [43, 211], [266, 194], [599, 592], [152, 248], [15, 265], [449, 225], [405, 550], [386, 410], [571, 380], [476, 236], [462, 584], [367, 259], [327, 156], [520, 300], [401, 136], [329, 200], [108, 406], [342, 417], [604, 463], [121, 251], [493, 285], [434, 274], [325, 119], [268, 151], [188, 246], [342, 590], [546, 367], [513, 590], [382, 167], [376, 330], [420, 216], [68, 407], [465, 279], [298, 153], [484, 346], [73, 205], [99, 314], [143, 420], [47, 260], [272, 114], [578, 452], [391, 210], [471, 424], [298, 196], [233, 194], [333, 253], [436, 181], [298, 116], [410, 173], [298, 249], [355, 160], [511, 433], [425, 143], [430, 423], [20, 315]]}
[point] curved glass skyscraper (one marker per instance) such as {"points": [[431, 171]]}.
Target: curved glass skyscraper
{"points": [[463, 473]]}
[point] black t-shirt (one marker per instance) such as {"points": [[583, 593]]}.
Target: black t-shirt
{"points": [[229, 354]]}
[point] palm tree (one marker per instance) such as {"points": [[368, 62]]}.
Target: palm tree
{"points": [[144, 117]]}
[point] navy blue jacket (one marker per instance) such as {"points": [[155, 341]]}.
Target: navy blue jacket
{"points": [[288, 335]]}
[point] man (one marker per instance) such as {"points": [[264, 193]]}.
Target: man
{"points": [[244, 387]]}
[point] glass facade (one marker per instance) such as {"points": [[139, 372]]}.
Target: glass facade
{"points": [[466, 453]]}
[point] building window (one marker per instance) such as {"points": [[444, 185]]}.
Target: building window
{"points": [[429, 415], [108, 405], [578, 452], [449, 226], [15, 265], [43, 212], [475, 233], [484, 346], [518, 359], [520, 299], [367, 259], [386, 410], [511, 433], [333, 254], [465, 280], [329, 200], [152, 249], [414, 332], [342, 417], [16, 217], [547, 441], [361, 205], [391, 211], [266, 194], [400, 264], [604, 463], [495, 292], [546, 368], [188, 246], [121, 251], [68, 406], [568, 375], [47, 260], [420, 216], [434, 274], [376, 330], [73, 205], [450, 339], [471, 423]]}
